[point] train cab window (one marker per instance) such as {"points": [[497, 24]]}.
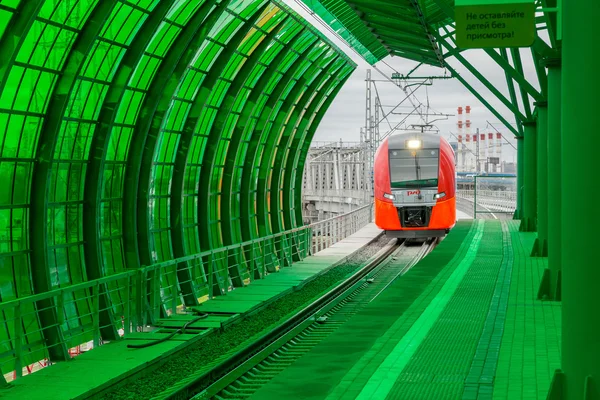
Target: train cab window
{"points": [[414, 168]]}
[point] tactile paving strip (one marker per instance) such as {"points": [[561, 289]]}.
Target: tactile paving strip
{"points": [[530, 349], [439, 367], [479, 382], [420, 286]]}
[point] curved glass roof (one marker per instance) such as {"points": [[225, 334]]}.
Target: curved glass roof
{"points": [[134, 132]]}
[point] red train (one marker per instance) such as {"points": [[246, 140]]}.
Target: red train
{"points": [[415, 185]]}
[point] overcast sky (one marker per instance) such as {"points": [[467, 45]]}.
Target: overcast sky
{"points": [[346, 115]]}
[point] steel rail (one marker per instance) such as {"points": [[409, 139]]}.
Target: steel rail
{"points": [[207, 384], [204, 384], [290, 348]]}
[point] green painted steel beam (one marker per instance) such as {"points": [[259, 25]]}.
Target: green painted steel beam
{"points": [[93, 184], [291, 192], [512, 107], [303, 153], [514, 74], [136, 232], [511, 89], [231, 185], [212, 142], [269, 218], [183, 153], [14, 36], [529, 216], [540, 247], [516, 56], [551, 18], [40, 180], [483, 100], [228, 228], [278, 154], [541, 73], [580, 275], [182, 53], [554, 178], [258, 136], [520, 176], [137, 239]]}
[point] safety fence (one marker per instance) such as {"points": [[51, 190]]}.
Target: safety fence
{"points": [[491, 195], [101, 310]]}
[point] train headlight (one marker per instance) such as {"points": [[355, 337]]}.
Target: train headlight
{"points": [[414, 144], [388, 196], [439, 195]]}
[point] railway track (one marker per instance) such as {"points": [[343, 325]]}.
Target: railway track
{"points": [[241, 375]]}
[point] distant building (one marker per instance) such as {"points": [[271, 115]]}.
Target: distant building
{"points": [[509, 167]]}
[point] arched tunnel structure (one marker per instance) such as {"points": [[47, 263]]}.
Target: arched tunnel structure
{"points": [[151, 157], [138, 132]]}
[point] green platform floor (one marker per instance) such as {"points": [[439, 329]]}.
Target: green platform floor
{"points": [[464, 323], [100, 368]]}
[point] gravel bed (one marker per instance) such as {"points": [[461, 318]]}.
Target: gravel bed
{"points": [[215, 345]]}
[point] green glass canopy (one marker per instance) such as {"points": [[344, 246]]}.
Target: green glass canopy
{"points": [[138, 131]]}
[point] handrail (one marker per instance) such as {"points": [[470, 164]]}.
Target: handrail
{"points": [[145, 269]]}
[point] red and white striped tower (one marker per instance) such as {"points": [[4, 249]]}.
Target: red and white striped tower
{"points": [[499, 150], [482, 147], [461, 150], [472, 162]]}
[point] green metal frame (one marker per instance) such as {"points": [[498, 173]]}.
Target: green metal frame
{"points": [[102, 152]]}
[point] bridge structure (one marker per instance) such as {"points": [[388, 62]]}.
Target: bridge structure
{"points": [[151, 159], [337, 179]]}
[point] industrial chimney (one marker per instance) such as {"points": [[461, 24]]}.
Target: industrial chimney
{"points": [[461, 150], [471, 165]]}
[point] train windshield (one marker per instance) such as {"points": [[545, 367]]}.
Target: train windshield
{"points": [[414, 168]]}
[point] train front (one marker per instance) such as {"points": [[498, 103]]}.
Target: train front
{"points": [[415, 185]]}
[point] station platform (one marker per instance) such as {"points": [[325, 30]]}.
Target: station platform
{"points": [[106, 365], [464, 323]]}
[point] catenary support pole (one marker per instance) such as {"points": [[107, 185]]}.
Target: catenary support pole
{"points": [[540, 247], [580, 219], [529, 216]]}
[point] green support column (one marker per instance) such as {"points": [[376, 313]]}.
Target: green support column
{"points": [[580, 218], [520, 176], [550, 287], [540, 247], [529, 215]]}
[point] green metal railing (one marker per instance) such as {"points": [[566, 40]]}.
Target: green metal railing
{"points": [[140, 297]]}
